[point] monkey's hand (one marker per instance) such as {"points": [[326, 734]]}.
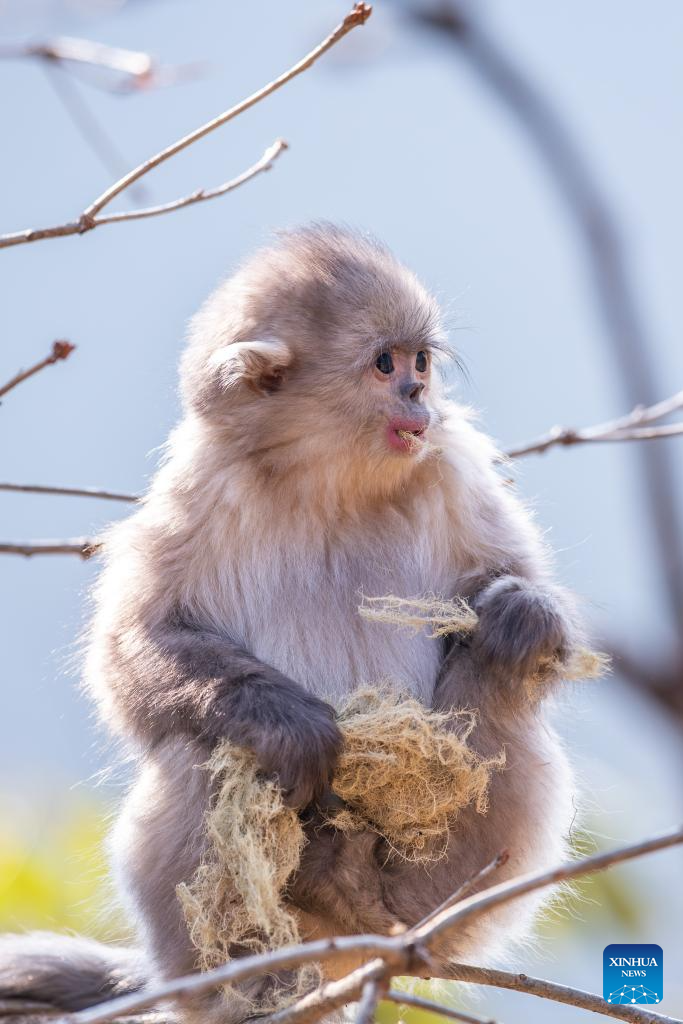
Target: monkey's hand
{"points": [[293, 735], [521, 624]]}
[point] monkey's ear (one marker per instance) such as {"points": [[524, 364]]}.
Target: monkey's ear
{"points": [[260, 365]]}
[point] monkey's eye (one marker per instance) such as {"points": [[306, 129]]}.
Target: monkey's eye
{"points": [[421, 362], [385, 364]]}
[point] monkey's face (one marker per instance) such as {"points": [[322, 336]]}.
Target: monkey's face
{"points": [[398, 383], [354, 412]]}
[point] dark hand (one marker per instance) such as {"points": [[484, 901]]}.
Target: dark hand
{"points": [[301, 753], [520, 626], [293, 735]]}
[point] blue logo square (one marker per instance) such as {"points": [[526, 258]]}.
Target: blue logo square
{"points": [[633, 973]]}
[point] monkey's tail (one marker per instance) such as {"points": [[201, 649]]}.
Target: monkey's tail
{"points": [[66, 972]]}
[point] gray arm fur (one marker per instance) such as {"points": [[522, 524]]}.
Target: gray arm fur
{"points": [[178, 679]]}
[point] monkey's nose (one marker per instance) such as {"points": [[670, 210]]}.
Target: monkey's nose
{"points": [[412, 389]]}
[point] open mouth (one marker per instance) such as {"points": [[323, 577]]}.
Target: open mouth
{"points": [[406, 435]]}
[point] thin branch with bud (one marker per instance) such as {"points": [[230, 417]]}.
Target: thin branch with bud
{"points": [[635, 426], [60, 350], [92, 217]]}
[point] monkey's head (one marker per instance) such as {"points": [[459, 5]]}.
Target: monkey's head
{"points": [[320, 353]]}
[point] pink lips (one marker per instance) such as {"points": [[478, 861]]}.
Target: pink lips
{"points": [[404, 434]]}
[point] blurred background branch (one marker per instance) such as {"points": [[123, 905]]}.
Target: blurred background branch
{"points": [[117, 71], [127, 70], [460, 24]]}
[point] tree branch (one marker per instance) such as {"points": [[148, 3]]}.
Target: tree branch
{"points": [[60, 350], [242, 969], [90, 218], [409, 999], [635, 426], [334, 995], [79, 546], [403, 954], [84, 224], [358, 16], [264, 164], [475, 906], [372, 992], [77, 492], [466, 887], [557, 993]]}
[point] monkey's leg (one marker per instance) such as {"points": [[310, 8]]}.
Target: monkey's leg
{"points": [[339, 878], [156, 845], [530, 811]]}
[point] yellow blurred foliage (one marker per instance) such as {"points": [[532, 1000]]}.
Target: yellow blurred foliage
{"points": [[53, 872], [436, 991]]}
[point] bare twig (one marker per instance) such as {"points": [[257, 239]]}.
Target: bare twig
{"points": [[139, 69], [60, 350], [467, 886], [83, 51], [403, 954], [609, 273], [557, 993], [90, 218], [239, 970], [475, 906], [636, 426], [333, 996], [409, 999], [358, 16], [81, 226], [264, 164], [567, 436], [77, 492], [372, 992], [79, 546], [649, 413]]}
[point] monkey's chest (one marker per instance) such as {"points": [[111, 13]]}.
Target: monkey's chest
{"points": [[300, 614]]}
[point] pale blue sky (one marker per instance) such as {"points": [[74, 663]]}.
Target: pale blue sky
{"points": [[391, 133]]}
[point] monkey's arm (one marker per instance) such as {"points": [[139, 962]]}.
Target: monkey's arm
{"points": [[177, 679], [524, 618], [522, 624]]}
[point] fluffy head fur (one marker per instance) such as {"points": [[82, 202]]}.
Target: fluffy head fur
{"points": [[280, 356]]}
